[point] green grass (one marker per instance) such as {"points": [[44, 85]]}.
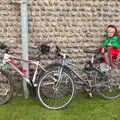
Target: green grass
{"points": [[82, 108]]}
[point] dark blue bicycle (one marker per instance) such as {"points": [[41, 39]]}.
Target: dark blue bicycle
{"points": [[57, 87]]}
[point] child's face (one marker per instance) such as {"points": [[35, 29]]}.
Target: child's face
{"points": [[110, 32]]}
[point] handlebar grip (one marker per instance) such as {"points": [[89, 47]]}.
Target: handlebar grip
{"points": [[7, 50], [62, 55], [59, 54], [67, 56]]}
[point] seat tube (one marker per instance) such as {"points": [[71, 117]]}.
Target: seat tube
{"points": [[60, 71], [35, 72]]}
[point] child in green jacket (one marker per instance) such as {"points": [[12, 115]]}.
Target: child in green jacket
{"points": [[110, 46]]}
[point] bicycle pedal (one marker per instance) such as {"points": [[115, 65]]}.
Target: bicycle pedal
{"points": [[90, 94], [5, 93], [35, 84]]}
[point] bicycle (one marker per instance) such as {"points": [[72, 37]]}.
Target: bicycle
{"points": [[6, 82], [60, 83]]}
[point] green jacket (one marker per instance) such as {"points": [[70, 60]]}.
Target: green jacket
{"points": [[113, 41]]}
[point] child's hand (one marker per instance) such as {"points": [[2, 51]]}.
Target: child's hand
{"points": [[109, 45], [103, 50]]}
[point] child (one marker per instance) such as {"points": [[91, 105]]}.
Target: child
{"points": [[110, 45]]}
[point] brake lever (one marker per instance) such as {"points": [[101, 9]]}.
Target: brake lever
{"points": [[7, 50]]}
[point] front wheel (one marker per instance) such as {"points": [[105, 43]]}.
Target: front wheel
{"points": [[56, 94], [6, 88], [108, 83]]}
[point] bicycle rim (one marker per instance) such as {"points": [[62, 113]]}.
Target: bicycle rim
{"points": [[6, 89], [108, 86], [56, 97]]}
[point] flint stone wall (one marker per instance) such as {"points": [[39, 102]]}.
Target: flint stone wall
{"points": [[78, 26]]}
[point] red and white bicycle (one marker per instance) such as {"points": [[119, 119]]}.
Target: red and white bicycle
{"points": [[6, 82]]}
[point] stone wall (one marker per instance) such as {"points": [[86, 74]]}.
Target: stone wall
{"points": [[77, 26]]}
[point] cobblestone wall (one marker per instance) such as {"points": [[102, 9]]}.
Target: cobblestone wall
{"points": [[77, 26]]}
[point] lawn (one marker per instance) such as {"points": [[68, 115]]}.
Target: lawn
{"points": [[82, 108]]}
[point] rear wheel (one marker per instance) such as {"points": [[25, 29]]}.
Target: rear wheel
{"points": [[53, 94], [6, 88], [108, 83]]}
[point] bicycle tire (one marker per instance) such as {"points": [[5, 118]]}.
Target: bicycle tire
{"points": [[108, 86], [51, 97], [6, 87]]}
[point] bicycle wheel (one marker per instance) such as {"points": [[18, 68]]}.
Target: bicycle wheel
{"points": [[56, 95], [6, 88], [108, 84]]}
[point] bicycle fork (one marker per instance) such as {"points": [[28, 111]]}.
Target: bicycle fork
{"points": [[59, 77]]}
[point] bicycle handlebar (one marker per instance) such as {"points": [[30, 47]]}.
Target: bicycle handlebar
{"points": [[57, 52], [60, 54]]}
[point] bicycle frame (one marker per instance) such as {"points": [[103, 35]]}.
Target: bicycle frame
{"points": [[8, 59], [69, 64]]}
